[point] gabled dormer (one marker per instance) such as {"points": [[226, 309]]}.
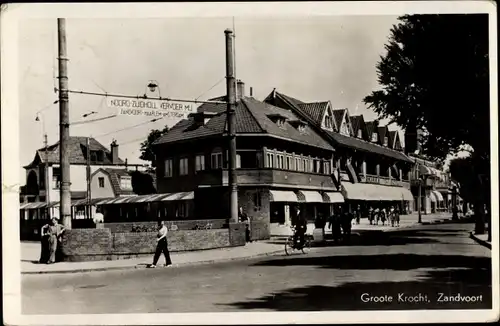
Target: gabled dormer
{"points": [[383, 136], [279, 119], [343, 122], [328, 120], [201, 118]]}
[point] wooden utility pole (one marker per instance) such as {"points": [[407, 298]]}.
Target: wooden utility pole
{"points": [[231, 119], [64, 125], [46, 169], [89, 208]]}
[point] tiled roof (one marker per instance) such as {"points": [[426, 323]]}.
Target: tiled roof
{"points": [[212, 107], [315, 110], [338, 114], [77, 149], [366, 146], [351, 141], [114, 176], [252, 116]]}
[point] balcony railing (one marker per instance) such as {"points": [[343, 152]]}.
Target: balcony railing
{"points": [[267, 177]]}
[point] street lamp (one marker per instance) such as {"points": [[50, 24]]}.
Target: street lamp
{"points": [[152, 86]]}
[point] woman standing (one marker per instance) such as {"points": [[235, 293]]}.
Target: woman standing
{"points": [[54, 233], [161, 246]]}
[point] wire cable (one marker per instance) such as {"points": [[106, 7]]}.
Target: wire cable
{"points": [[81, 122], [128, 128], [211, 88]]}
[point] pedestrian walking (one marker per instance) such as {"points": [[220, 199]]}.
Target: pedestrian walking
{"points": [[392, 216], [346, 226], [53, 232], [377, 215], [44, 244], [334, 224], [371, 215], [161, 246], [383, 216], [396, 214]]}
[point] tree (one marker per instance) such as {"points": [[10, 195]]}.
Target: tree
{"points": [[142, 183], [435, 77], [147, 153]]}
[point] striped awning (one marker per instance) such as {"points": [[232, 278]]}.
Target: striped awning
{"points": [[333, 197], [179, 196], [283, 196], [36, 205], [432, 196], [83, 202], [147, 198], [307, 196], [406, 194], [438, 195]]}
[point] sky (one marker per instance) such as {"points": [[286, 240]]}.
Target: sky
{"points": [[312, 59]]}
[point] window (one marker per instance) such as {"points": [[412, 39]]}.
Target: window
{"points": [[328, 122], [317, 166], [248, 160], [360, 133], [183, 166], [200, 162], [216, 162], [374, 137], [168, 168], [125, 183], [181, 209], [280, 161], [289, 163], [257, 200], [101, 182], [270, 160], [56, 178], [326, 167], [238, 161], [386, 141]]}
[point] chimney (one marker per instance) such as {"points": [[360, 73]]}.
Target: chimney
{"points": [[240, 89], [114, 152], [251, 91]]}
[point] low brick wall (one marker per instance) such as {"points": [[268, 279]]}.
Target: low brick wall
{"points": [[260, 230], [102, 244], [237, 234], [124, 227]]}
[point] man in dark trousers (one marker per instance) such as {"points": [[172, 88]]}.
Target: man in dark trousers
{"points": [[162, 246]]}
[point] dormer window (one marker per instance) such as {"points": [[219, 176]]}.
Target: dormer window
{"points": [[386, 141], [278, 119], [126, 183], [299, 125], [374, 137], [96, 156], [360, 133]]}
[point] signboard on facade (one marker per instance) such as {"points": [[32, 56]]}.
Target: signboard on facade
{"points": [[150, 108]]}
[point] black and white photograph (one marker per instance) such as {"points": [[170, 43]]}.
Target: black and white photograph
{"points": [[266, 162]]}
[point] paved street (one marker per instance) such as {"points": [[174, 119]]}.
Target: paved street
{"points": [[425, 260]]}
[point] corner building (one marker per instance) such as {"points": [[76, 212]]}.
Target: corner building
{"points": [[283, 164]]}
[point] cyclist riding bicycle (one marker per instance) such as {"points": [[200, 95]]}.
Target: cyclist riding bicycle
{"points": [[300, 229]]}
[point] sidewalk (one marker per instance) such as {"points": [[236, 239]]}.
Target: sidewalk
{"points": [[30, 252], [364, 226], [481, 239]]}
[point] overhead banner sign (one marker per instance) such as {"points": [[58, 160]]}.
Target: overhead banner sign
{"points": [[150, 108]]}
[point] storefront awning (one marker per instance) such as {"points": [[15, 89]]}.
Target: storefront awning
{"points": [[333, 197], [307, 196], [179, 196], [384, 193], [356, 191], [406, 194], [283, 196], [432, 196], [438, 195], [37, 205], [425, 170]]}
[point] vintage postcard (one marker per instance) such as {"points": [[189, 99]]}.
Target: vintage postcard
{"points": [[250, 163]]}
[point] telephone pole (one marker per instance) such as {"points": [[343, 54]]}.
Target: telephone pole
{"points": [[64, 125], [89, 210], [46, 168], [231, 102]]}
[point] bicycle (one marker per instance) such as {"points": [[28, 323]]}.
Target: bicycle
{"points": [[290, 245]]}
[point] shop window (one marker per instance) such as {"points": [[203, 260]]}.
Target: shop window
{"points": [[181, 209]]}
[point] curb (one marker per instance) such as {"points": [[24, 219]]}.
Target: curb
{"points": [[479, 241], [115, 268]]}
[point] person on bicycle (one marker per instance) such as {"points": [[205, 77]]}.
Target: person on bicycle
{"points": [[300, 231]]}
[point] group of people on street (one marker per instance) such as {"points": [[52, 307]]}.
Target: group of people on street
{"points": [[382, 214]]}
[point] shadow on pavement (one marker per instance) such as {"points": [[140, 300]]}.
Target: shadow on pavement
{"points": [[431, 288], [398, 262]]}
